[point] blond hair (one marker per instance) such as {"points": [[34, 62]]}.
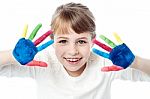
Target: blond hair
{"points": [[75, 16]]}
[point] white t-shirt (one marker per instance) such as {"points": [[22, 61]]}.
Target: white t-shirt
{"points": [[55, 83]]}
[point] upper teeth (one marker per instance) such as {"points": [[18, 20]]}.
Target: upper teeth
{"points": [[72, 59]]}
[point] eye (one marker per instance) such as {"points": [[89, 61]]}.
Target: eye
{"points": [[82, 42], [62, 41]]}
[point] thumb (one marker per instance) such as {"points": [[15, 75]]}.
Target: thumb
{"points": [[111, 68], [37, 63]]}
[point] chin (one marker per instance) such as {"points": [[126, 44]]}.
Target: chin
{"points": [[73, 69]]}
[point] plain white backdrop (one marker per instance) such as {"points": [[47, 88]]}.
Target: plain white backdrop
{"points": [[129, 18]]}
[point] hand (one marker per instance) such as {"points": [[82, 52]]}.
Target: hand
{"points": [[120, 55], [25, 50]]}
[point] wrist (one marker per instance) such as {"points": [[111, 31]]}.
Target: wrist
{"points": [[135, 63]]}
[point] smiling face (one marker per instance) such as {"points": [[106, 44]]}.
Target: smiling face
{"points": [[73, 51], [73, 26]]}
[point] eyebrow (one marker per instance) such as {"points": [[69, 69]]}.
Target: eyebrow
{"points": [[83, 38], [68, 38], [62, 38]]}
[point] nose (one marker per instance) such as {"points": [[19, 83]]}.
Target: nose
{"points": [[73, 50]]}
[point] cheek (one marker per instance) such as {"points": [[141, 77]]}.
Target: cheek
{"points": [[56, 48], [85, 51], [60, 50]]}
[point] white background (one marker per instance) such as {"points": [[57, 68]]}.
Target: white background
{"points": [[129, 18]]}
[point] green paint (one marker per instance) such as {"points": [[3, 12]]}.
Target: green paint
{"points": [[108, 41], [34, 32]]}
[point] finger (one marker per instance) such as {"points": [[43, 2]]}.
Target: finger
{"points": [[37, 63], [40, 48], [118, 38], [111, 68], [40, 39], [98, 52], [34, 32], [25, 31], [108, 41], [105, 47]]}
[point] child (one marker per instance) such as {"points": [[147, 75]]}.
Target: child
{"points": [[73, 72]]}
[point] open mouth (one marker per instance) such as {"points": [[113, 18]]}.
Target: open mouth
{"points": [[73, 60]]}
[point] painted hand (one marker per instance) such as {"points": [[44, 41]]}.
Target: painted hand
{"points": [[120, 55], [25, 50]]}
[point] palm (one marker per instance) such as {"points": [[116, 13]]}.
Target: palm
{"points": [[25, 50], [120, 55]]}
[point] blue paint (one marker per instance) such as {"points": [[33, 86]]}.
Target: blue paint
{"points": [[24, 51], [100, 53], [45, 45], [122, 56]]}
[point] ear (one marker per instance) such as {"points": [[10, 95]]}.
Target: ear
{"points": [[93, 36], [52, 38]]}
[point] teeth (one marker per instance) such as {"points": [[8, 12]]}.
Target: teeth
{"points": [[72, 59]]}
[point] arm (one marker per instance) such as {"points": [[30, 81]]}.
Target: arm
{"points": [[6, 57], [141, 64], [25, 49]]}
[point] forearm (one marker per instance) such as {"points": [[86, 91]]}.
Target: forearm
{"points": [[6, 57], [141, 64]]}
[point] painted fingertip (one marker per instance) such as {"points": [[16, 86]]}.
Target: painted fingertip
{"points": [[34, 32], [25, 31], [108, 41], [37, 63], [117, 37], [104, 69], [111, 68]]}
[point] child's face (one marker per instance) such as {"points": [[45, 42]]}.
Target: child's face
{"points": [[73, 50]]}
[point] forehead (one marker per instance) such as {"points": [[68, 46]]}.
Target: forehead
{"points": [[73, 35]]}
